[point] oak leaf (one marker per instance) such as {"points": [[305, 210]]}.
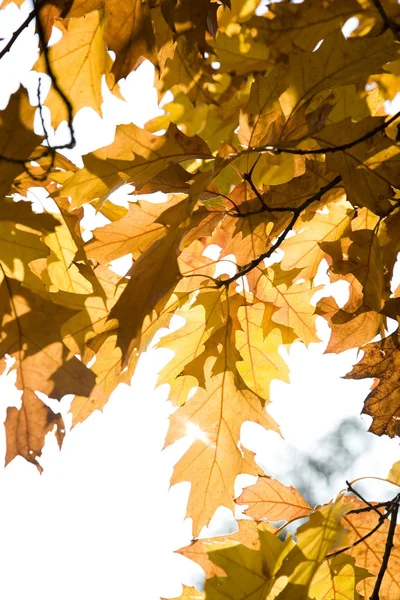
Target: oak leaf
{"points": [[380, 361], [270, 499]]}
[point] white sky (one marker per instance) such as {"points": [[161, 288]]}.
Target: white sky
{"points": [[101, 522]]}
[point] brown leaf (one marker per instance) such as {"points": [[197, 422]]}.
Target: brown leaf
{"points": [[381, 360], [31, 334], [17, 139]]}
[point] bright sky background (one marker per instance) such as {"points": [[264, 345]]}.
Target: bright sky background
{"points": [[101, 521]]}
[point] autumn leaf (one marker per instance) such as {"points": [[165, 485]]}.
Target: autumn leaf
{"points": [[78, 60], [368, 553], [247, 535], [135, 156], [276, 152], [18, 139], [383, 403], [150, 280], [269, 499], [30, 334], [218, 411]]}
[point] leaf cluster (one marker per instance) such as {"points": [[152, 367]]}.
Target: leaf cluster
{"points": [[277, 147]]}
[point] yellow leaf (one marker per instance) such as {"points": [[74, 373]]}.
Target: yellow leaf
{"points": [[261, 360], [214, 460], [292, 300], [135, 156], [78, 61]]}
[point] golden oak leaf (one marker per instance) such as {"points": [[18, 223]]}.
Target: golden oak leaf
{"points": [[214, 460], [270, 499], [129, 33], [381, 360], [132, 234], [337, 579], [369, 552], [202, 319], [78, 61], [261, 360], [31, 334], [293, 301], [394, 473], [247, 535], [135, 156], [303, 250], [17, 139], [150, 278]]}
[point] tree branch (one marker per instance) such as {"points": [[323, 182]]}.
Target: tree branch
{"points": [[388, 548], [387, 21], [243, 270], [328, 149], [50, 150], [17, 33]]}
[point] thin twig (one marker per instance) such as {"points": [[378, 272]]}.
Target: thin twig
{"points": [[387, 21], [50, 72], [17, 33], [327, 149], [361, 539], [243, 270], [354, 491], [388, 548]]}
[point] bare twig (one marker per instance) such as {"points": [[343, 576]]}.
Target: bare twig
{"points": [[369, 504], [328, 149], [243, 270], [17, 33], [381, 521], [388, 548], [387, 21]]}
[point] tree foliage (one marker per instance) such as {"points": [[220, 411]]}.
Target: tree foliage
{"points": [[277, 138]]}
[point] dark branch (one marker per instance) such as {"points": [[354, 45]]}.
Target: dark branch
{"points": [[363, 538], [17, 33], [64, 98], [387, 21], [243, 270], [329, 149], [369, 504], [388, 548], [50, 150]]}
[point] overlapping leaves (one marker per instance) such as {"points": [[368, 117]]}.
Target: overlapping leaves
{"points": [[274, 154]]}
